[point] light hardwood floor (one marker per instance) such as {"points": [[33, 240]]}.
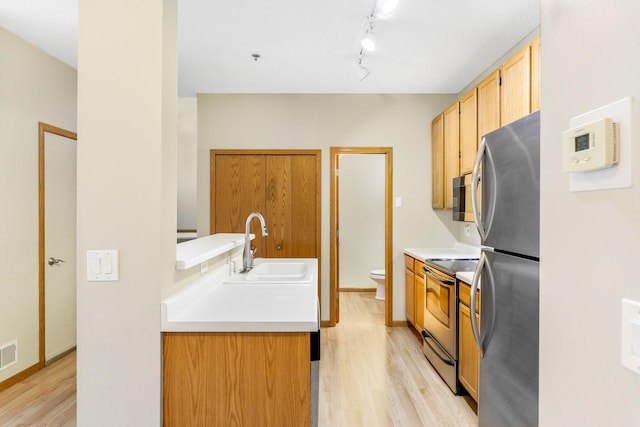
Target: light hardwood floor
{"points": [[46, 398], [373, 375], [370, 375]]}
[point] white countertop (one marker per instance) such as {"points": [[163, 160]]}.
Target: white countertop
{"points": [[210, 305], [193, 252], [459, 251], [465, 276]]}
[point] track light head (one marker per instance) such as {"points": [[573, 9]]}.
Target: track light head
{"points": [[369, 42]]}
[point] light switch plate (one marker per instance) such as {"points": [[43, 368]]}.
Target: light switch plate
{"points": [[631, 335], [102, 265]]}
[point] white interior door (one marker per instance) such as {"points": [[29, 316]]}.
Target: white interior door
{"points": [[59, 245]]}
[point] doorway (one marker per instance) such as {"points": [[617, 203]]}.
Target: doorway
{"points": [[57, 242], [334, 297]]}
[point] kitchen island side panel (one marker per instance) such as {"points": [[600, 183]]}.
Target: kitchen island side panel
{"points": [[236, 378]]}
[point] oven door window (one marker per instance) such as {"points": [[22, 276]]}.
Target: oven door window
{"points": [[438, 299]]}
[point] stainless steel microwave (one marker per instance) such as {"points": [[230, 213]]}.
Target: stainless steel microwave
{"points": [[462, 210]]}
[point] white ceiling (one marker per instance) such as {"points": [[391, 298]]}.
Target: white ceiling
{"points": [[309, 46]]}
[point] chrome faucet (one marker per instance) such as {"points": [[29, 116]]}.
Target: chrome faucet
{"points": [[247, 256]]}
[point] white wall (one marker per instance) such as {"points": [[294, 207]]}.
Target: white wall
{"points": [[589, 241], [187, 163], [34, 87], [361, 218], [319, 122], [127, 91]]}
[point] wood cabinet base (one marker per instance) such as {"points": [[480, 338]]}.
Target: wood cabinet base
{"points": [[239, 379]]}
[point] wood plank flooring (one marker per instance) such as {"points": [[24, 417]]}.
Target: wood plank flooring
{"points": [[46, 398], [370, 375], [373, 375]]}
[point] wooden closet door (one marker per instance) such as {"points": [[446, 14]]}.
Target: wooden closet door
{"points": [[284, 188], [237, 189], [291, 199]]}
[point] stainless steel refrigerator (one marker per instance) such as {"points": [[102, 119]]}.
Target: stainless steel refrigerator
{"points": [[507, 169]]}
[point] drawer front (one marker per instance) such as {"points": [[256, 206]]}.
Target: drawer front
{"points": [[465, 296], [417, 268], [408, 262]]}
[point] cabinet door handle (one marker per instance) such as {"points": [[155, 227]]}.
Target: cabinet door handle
{"points": [[279, 247]]}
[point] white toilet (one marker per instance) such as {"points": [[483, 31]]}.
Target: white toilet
{"points": [[378, 277]]}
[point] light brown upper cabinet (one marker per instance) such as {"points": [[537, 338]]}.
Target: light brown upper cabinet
{"points": [[468, 130], [535, 75], [515, 90], [488, 104], [437, 162], [284, 186], [507, 94], [451, 151]]}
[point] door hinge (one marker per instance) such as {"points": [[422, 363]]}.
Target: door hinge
{"points": [[337, 172], [500, 81]]}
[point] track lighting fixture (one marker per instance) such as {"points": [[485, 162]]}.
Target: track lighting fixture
{"points": [[369, 40], [381, 10], [361, 70], [385, 8]]}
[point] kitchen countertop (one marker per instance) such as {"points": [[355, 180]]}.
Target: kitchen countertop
{"points": [[459, 251], [211, 305], [465, 276]]}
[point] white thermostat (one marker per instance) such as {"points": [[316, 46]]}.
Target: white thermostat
{"points": [[591, 146]]}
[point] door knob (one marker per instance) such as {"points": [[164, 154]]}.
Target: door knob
{"points": [[53, 261]]}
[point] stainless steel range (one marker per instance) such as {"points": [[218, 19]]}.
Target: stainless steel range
{"points": [[440, 333]]}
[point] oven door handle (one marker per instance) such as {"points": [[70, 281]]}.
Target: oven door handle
{"points": [[447, 281], [426, 335]]}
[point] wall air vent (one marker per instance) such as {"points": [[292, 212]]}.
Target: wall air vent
{"points": [[8, 354]]}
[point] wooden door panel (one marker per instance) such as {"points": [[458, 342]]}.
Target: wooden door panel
{"points": [[468, 130], [451, 151], [437, 162], [237, 190], [515, 88], [303, 206], [284, 188], [535, 75], [278, 201], [488, 105]]}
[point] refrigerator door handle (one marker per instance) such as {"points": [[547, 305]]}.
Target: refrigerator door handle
{"points": [[489, 298], [475, 180], [474, 290]]}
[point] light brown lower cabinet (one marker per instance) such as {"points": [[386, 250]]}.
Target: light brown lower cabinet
{"points": [[409, 290], [236, 378], [419, 296], [414, 292], [468, 356]]}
